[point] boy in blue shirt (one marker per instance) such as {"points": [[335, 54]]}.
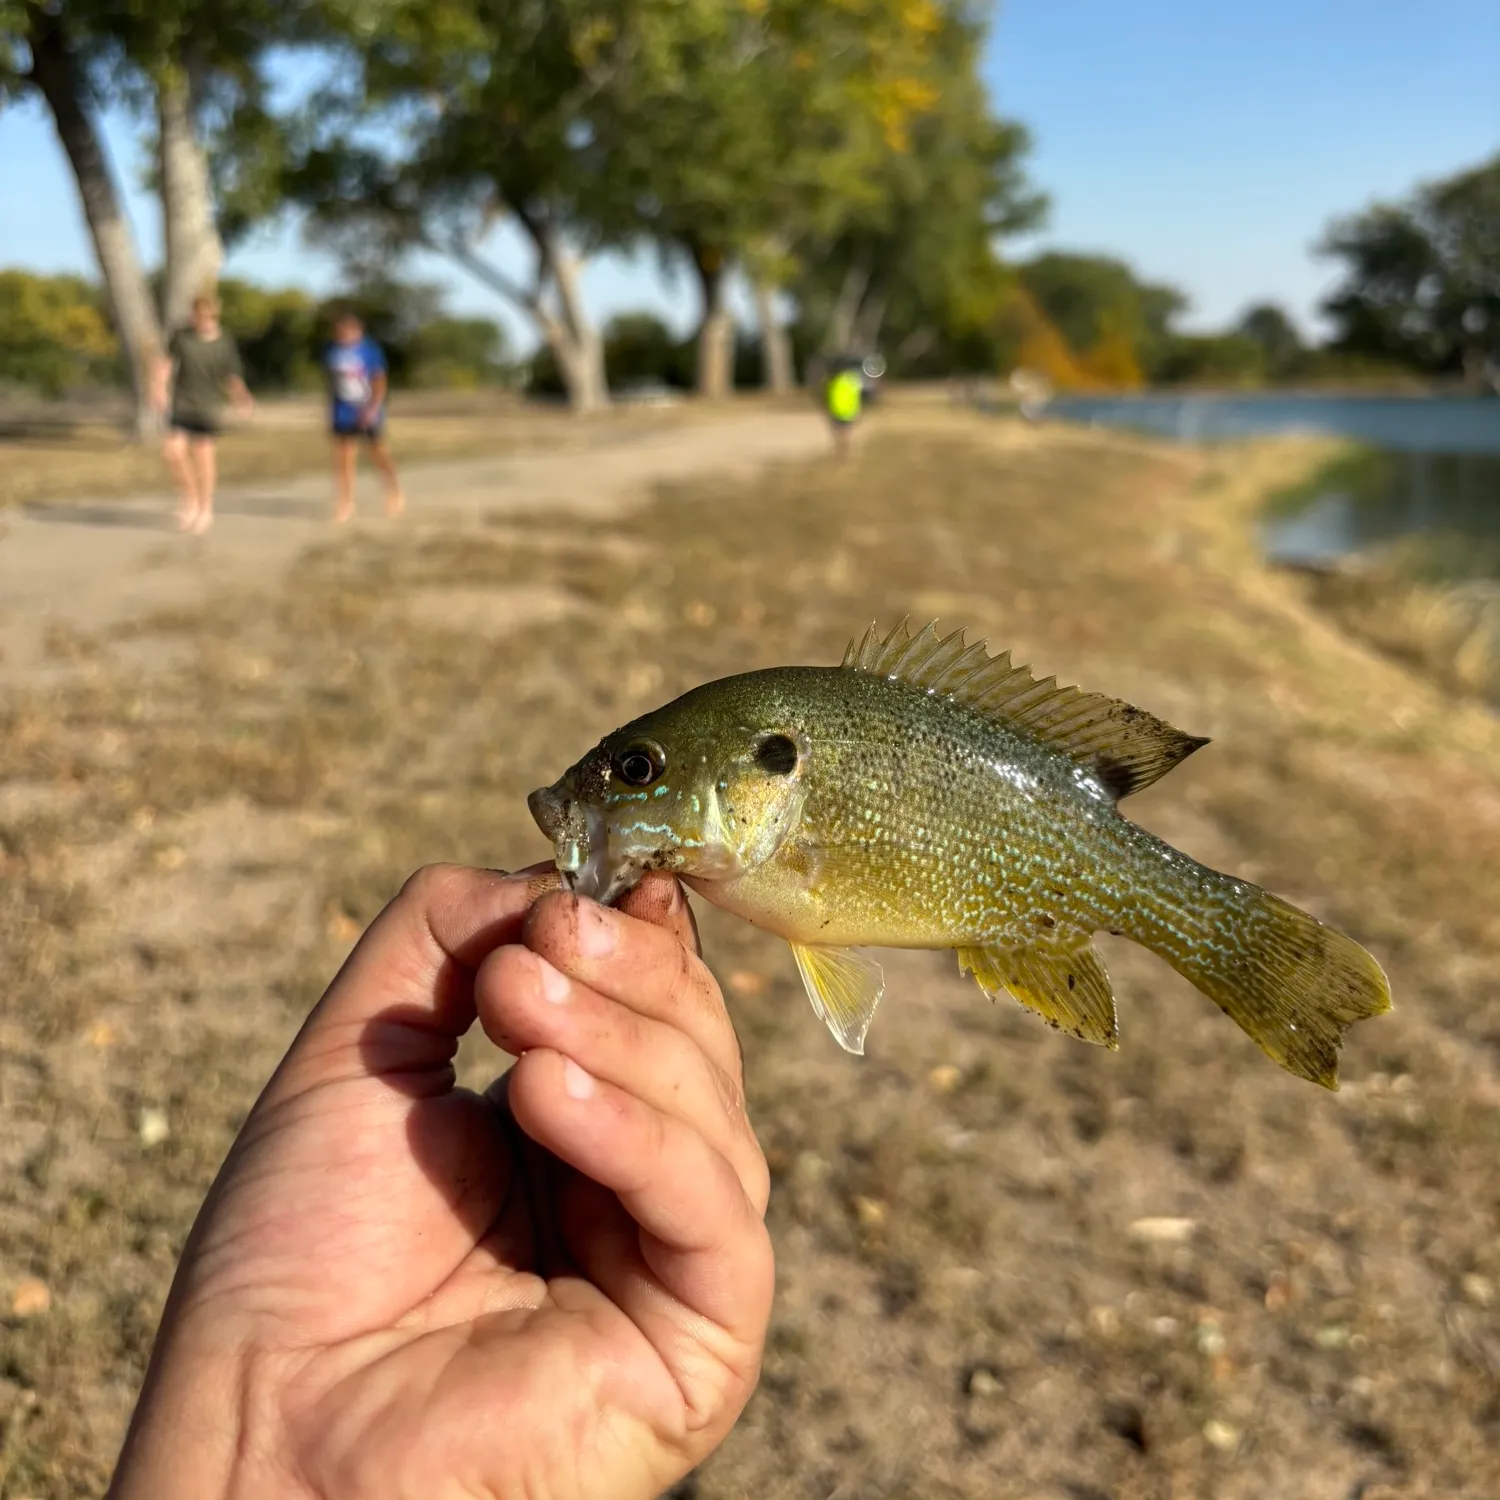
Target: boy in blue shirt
{"points": [[357, 384]]}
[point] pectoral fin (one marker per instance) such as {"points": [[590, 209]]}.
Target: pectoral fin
{"points": [[844, 987], [1066, 987]]}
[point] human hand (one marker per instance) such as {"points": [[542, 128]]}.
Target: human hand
{"points": [[400, 1288]]}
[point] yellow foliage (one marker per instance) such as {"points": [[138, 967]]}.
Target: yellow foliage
{"points": [[921, 16], [1112, 362], [1037, 345]]}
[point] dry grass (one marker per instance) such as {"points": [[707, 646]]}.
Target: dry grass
{"points": [[963, 1308]]}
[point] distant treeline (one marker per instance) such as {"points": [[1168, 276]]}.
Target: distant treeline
{"points": [[1417, 299], [55, 335]]}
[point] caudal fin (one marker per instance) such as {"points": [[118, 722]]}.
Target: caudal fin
{"points": [[1293, 984]]}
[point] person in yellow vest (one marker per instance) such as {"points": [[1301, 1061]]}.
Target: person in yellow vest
{"points": [[844, 397]]}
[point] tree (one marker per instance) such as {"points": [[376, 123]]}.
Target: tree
{"points": [[1268, 326], [489, 101], [42, 49], [640, 347], [1218, 359], [916, 254], [54, 333], [1421, 278], [1091, 298]]}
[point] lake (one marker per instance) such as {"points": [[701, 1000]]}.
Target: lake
{"points": [[1431, 465]]}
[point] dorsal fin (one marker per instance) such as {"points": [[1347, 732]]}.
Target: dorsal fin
{"points": [[1124, 747]]}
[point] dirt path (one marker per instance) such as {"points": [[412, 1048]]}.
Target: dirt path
{"points": [[90, 566]]}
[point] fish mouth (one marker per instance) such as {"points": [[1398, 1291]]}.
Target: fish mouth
{"points": [[580, 841]]}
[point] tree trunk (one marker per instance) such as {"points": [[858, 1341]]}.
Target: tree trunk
{"points": [[582, 365], [846, 309], [574, 343], [715, 366], [194, 250], [777, 374], [58, 76], [868, 325]]}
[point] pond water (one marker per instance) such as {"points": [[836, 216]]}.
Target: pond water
{"points": [[1430, 466]]}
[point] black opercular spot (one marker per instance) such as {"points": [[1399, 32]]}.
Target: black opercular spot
{"points": [[777, 755], [640, 765]]}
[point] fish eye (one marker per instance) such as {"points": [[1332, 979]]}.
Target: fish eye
{"points": [[776, 754], [640, 765]]}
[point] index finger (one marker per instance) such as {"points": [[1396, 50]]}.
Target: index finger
{"points": [[638, 964], [406, 993]]}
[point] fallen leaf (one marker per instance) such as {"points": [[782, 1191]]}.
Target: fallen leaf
{"points": [[945, 1078], [153, 1127], [31, 1298]]}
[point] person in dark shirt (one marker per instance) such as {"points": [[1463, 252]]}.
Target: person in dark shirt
{"points": [[201, 367], [357, 384]]}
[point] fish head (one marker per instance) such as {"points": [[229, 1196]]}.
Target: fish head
{"points": [[700, 788]]}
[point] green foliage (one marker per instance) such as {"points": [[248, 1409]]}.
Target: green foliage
{"points": [[276, 331], [1421, 278], [1280, 344], [54, 333], [1216, 359], [458, 354], [638, 349]]}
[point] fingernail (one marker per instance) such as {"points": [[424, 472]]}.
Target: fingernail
{"points": [[576, 1083], [554, 984], [596, 930]]}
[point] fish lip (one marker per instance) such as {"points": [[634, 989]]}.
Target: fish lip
{"points": [[580, 839]]}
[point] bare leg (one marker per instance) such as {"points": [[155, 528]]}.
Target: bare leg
{"points": [[343, 478], [175, 450], [395, 501], [205, 461]]}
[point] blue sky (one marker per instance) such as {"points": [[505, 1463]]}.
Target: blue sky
{"points": [[1206, 141]]}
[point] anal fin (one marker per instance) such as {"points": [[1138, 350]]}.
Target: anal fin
{"points": [[844, 987], [1066, 986]]}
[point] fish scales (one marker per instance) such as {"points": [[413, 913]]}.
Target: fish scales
{"points": [[927, 795]]}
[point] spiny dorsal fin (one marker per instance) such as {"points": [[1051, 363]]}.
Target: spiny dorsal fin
{"points": [[1125, 747]]}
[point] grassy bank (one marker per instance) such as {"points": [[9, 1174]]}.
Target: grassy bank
{"points": [[198, 815], [1430, 599]]}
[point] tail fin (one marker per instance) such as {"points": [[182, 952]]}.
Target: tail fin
{"points": [[1294, 985]]}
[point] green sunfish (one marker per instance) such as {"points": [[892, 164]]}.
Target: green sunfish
{"points": [[926, 795]]}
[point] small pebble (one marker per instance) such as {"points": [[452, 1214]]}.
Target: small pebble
{"points": [[983, 1383], [1164, 1328], [1163, 1231], [869, 1211], [1332, 1336]]}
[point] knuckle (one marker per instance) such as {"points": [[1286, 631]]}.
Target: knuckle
{"points": [[431, 883]]}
